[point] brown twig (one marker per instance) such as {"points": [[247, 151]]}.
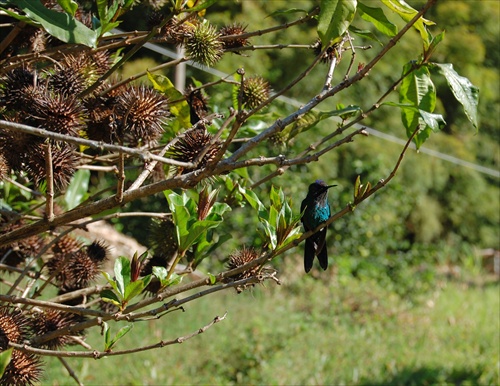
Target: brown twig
{"points": [[101, 354]]}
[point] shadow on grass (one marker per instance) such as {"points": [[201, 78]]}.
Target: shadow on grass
{"points": [[428, 376]]}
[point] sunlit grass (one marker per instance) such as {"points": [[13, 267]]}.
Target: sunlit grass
{"points": [[314, 332]]}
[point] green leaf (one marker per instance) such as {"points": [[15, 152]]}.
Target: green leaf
{"points": [[107, 335], [287, 12], [5, 359], [435, 122], [61, 25], [312, 118], [433, 44], [68, 6], [122, 271], [463, 90], [357, 186], [111, 281], [416, 90], [77, 189], [334, 19], [252, 199], [121, 332], [367, 34], [179, 109], [212, 278], [407, 13], [161, 273], [106, 14], [109, 296], [16, 16], [377, 17], [196, 230], [235, 90], [108, 342], [200, 7], [133, 289]]}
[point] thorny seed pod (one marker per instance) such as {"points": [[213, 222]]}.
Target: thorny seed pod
{"points": [[101, 120], [239, 258], [97, 251], [142, 112], [175, 32], [16, 253], [13, 327], [202, 44], [63, 164], [23, 369], [4, 166], [65, 245], [197, 103], [18, 90], [58, 113], [191, 145], [70, 76], [75, 270], [255, 91], [330, 53], [163, 238], [234, 29], [101, 62], [54, 320]]}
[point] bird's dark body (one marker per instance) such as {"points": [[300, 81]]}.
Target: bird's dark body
{"points": [[316, 210]]}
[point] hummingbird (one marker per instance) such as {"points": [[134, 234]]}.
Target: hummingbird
{"points": [[315, 210]]}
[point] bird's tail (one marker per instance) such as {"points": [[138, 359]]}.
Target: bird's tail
{"points": [[309, 253]]}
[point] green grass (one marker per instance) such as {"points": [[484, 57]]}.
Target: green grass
{"points": [[314, 332]]}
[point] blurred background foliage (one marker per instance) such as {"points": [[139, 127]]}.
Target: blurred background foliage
{"points": [[434, 212]]}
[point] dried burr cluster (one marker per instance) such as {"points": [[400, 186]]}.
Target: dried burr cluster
{"points": [[68, 92]]}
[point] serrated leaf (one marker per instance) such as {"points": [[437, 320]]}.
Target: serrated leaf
{"points": [[77, 189], [334, 18], [377, 17], [61, 25], [463, 90]]}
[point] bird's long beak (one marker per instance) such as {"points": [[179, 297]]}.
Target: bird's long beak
{"points": [[329, 186]]}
